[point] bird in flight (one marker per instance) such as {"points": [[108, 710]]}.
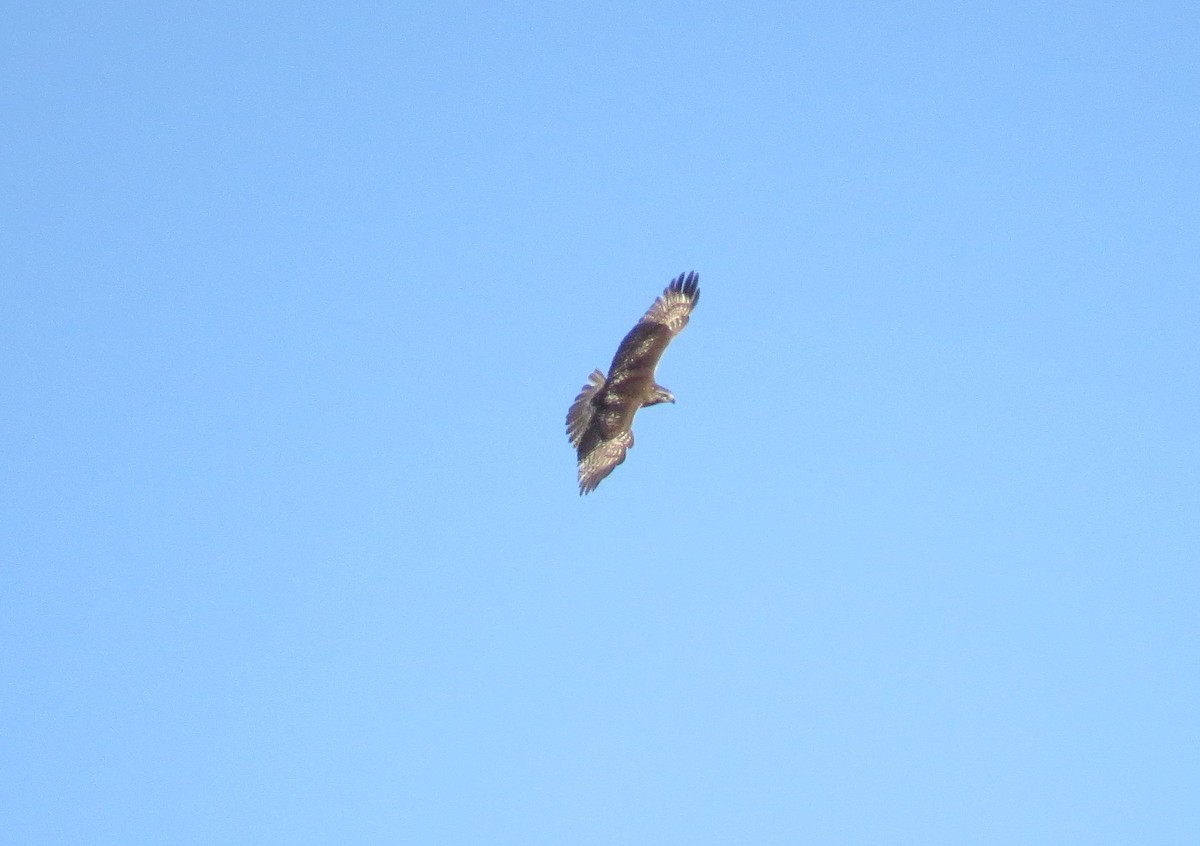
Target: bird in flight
{"points": [[600, 421]]}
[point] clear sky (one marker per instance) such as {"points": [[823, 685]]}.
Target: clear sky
{"points": [[294, 298]]}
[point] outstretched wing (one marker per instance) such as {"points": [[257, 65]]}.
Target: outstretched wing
{"points": [[579, 417], [598, 427], [638, 355], [602, 460], [673, 308]]}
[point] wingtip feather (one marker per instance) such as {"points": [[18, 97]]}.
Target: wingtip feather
{"points": [[687, 284]]}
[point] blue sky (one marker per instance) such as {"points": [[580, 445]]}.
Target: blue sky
{"points": [[295, 297]]}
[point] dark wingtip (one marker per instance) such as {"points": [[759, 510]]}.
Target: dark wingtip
{"points": [[687, 284]]}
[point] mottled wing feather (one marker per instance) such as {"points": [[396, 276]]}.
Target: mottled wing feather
{"points": [[639, 352], [674, 307], [579, 417], [602, 460]]}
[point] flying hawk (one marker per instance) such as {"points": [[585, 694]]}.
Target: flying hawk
{"points": [[600, 421]]}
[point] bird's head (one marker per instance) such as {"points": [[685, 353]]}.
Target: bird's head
{"points": [[660, 394]]}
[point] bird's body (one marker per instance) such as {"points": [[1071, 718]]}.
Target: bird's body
{"points": [[600, 421]]}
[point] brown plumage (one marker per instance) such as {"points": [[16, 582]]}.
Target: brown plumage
{"points": [[600, 421]]}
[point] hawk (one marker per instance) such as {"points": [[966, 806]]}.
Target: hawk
{"points": [[600, 421]]}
